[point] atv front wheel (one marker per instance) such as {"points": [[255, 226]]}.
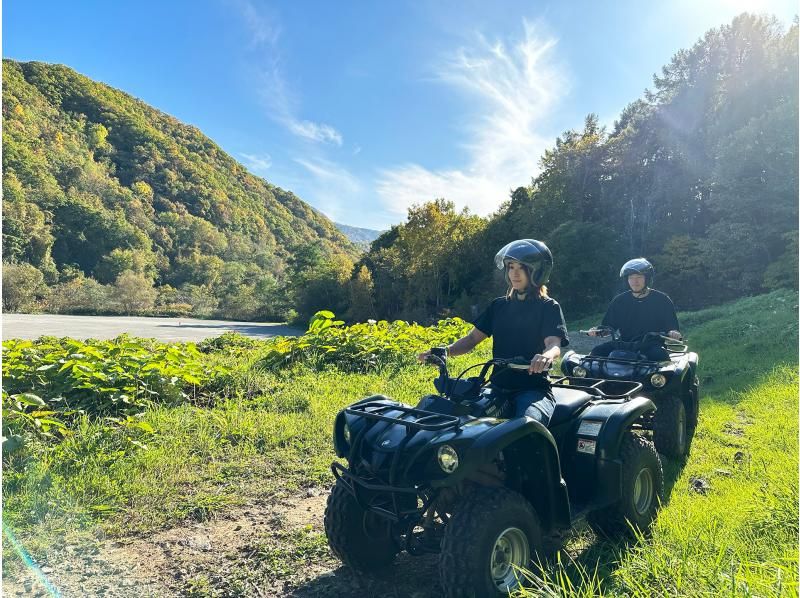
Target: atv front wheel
{"points": [[670, 428], [361, 539], [492, 533], [642, 491]]}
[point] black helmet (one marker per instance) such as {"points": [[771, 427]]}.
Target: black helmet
{"points": [[641, 266], [530, 253]]}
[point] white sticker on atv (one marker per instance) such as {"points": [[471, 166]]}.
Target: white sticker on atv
{"points": [[590, 428], [586, 446]]}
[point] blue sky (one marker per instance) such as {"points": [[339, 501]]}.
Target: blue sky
{"points": [[365, 108]]}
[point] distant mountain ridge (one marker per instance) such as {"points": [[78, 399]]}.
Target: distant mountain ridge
{"points": [[359, 236], [98, 183]]}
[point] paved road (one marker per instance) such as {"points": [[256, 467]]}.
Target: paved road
{"points": [[166, 329]]}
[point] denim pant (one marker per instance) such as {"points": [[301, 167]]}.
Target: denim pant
{"points": [[536, 404]]}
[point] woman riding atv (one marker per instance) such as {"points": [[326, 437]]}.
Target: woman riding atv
{"points": [[525, 322], [637, 312]]}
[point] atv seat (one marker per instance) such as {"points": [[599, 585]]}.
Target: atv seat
{"points": [[568, 402]]}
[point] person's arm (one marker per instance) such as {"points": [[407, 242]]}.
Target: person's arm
{"points": [[608, 320], [460, 347], [542, 361], [672, 326]]}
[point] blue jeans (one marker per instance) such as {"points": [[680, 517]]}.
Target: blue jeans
{"points": [[536, 404]]}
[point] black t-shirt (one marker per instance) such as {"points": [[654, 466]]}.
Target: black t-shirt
{"points": [[634, 317], [519, 329]]}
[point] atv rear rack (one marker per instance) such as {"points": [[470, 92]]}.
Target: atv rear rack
{"points": [[604, 389], [423, 420]]}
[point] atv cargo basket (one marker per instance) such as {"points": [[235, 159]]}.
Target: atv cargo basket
{"points": [[418, 419]]}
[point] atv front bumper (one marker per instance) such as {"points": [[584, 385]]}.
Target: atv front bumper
{"points": [[396, 503]]}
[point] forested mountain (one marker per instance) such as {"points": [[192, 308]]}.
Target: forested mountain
{"points": [[105, 196], [699, 175]]}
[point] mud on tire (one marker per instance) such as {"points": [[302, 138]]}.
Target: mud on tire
{"points": [[642, 491], [670, 428], [491, 531], [361, 539]]}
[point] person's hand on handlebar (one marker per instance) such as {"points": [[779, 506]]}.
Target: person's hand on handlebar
{"points": [[598, 331], [539, 364], [434, 356]]}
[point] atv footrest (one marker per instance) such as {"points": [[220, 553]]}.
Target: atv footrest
{"points": [[412, 419]]}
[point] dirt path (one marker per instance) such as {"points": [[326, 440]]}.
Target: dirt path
{"points": [[275, 547]]}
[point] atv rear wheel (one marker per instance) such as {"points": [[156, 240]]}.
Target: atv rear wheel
{"points": [[670, 428], [361, 539], [492, 532], [642, 491]]}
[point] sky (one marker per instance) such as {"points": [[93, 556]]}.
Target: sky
{"points": [[365, 108]]}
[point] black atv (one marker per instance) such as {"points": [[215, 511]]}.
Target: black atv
{"points": [[672, 384], [454, 476]]}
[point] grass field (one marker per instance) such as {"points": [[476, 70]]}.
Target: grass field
{"points": [[729, 527]]}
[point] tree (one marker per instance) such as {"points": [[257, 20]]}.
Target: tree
{"points": [[134, 292], [23, 287], [362, 306]]}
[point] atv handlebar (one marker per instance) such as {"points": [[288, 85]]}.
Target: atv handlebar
{"points": [[601, 331]]}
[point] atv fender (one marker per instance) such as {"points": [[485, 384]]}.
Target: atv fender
{"points": [[340, 446], [531, 462], [618, 417], [600, 472]]}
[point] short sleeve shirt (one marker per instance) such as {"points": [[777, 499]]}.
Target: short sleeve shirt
{"points": [[635, 317], [520, 327]]}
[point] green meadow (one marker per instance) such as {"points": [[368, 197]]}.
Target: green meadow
{"points": [[109, 446]]}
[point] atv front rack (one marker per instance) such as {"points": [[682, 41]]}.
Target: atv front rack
{"points": [[604, 389], [638, 362], [422, 420]]}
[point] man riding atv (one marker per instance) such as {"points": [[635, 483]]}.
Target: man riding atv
{"points": [[646, 348], [637, 312]]}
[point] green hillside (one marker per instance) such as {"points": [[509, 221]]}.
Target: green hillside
{"points": [[100, 189]]}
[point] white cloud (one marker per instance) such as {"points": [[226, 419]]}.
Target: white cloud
{"points": [[331, 186], [516, 89], [281, 103], [314, 131], [257, 163], [262, 30]]}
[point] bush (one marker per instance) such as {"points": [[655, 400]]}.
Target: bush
{"points": [[49, 382], [134, 293], [361, 347], [80, 295], [23, 287]]}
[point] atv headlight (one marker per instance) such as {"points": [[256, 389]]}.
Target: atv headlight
{"points": [[658, 380], [448, 458], [346, 433], [579, 371]]}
